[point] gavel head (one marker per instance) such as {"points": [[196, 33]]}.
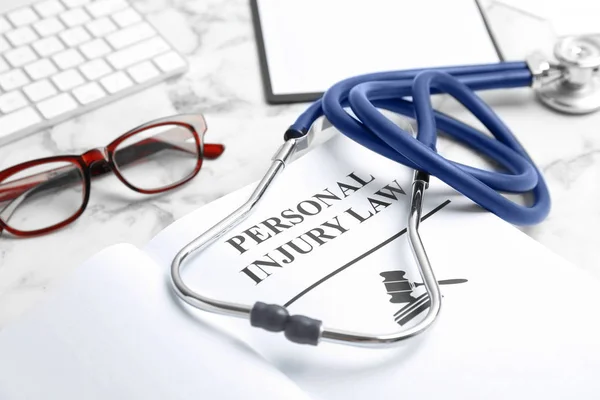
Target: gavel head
{"points": [[398, 287]]}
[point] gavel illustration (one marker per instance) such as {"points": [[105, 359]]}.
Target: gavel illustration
{"points": [[401, 289]]}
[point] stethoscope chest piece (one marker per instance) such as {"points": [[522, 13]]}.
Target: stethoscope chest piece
{"points": [[573, 85]]}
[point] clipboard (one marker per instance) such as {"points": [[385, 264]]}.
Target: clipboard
{"points": [[305, 46]]}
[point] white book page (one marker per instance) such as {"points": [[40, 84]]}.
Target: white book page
{"points": [[524, 325], [111, 332], [312, 44]]}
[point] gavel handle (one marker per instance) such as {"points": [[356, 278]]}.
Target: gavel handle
{"points": [[446, 282]]}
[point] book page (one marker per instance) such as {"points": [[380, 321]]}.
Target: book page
{"points": [[329, 242], [110, 332]]}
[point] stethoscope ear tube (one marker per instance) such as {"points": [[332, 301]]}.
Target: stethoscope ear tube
{"points": [[370, 128]]}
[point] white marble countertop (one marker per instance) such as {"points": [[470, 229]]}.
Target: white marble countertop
{"points": [[224, 84]]}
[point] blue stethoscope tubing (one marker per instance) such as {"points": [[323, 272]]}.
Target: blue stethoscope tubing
{"points": [[364, 94]]}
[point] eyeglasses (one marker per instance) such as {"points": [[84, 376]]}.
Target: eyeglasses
{"points": [[40, 196]]}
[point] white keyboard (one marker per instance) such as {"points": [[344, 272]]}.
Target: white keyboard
{"points": [[60, 58]]}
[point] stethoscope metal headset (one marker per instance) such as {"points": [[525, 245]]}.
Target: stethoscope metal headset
{"points": [[569, 86]]}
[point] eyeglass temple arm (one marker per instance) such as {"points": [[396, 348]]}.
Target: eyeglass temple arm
{"points": [[276, 318], [172, 139], [59, 176], [155, 144]]}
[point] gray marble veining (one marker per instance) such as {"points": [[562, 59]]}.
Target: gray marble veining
{"points": [[224, 84]]}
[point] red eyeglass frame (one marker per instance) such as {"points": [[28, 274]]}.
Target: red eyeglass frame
{"points": [[100, 161]]}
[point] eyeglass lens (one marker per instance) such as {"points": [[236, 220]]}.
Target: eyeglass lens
{"points": [[157, 157], [41, 196]]}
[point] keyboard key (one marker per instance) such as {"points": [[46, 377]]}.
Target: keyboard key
{"points": [[75, 3], [95, 48], [4, 25], [49, 8], [137, 53], [12, 101], [143, 72], [48, 46], [170, 61], [131, 35], [68, 58], [18, 120], [95, 69], [74, 36], [20, 56], [4, 45], [47, 27], [88, 93], [116, 82], [74, 17], [21, 36], [40, 69], [101, 27], [13, 79], [101, 8], [39, 90], [22, 16], [3, 65], [127, 17], [68, 80], [57, 105]]}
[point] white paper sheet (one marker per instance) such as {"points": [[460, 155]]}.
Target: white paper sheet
{"points": [[524, 325], [312, 44], [113, 332]]}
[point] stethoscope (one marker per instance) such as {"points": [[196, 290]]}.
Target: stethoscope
{"points": [[570, 85]]}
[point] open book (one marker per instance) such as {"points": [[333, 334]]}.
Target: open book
{"points": [[328, 241]]}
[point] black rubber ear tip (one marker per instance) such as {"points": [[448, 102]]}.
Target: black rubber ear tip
{"points": [[303, 330], [270, 317]]}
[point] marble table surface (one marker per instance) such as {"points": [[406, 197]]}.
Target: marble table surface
{"points": [[224, 84]]}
